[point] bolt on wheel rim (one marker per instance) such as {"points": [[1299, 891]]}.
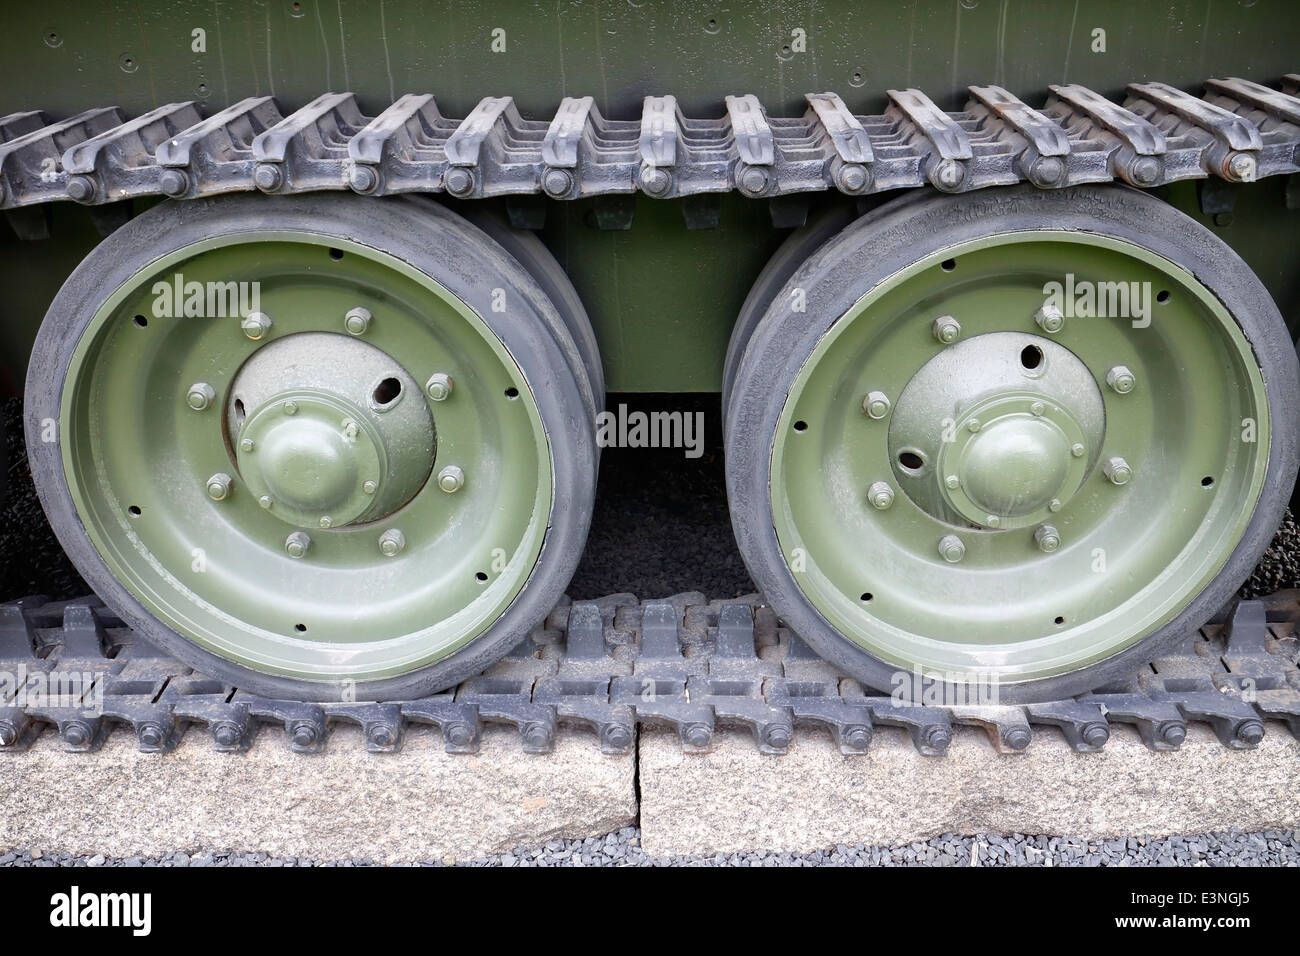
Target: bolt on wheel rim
{"points": [[1023, 498], [332, 551]]}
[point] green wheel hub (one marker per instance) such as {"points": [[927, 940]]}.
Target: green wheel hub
{"points": [[276, 482], [972, 475]]}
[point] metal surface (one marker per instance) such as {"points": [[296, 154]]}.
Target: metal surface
{"points": [[613, 664]]}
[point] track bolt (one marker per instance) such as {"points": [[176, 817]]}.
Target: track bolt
{"points": [[439, 386], [304, 734], [618, 737], [1250, 731], [1117, 470], [458, 181], [81, 188], [876, 405], [362, 179], [265, 501], [200, 396], [290, 407], [77, 734], [256, 325], [1055, 505], [1120, 379], [1145, 170], [1017, 738], [1172, 732], [1047, 538], [219, 486], [391, 543], [357, 320], [992, 521], [857, 737], [973, 425], [381, 735], [246, 444], [1050, 318], [1095, 734], [778, 737], [458, 733], [655, 180], [948, 174], [297, 544], [953, 482], [267, 177], [853, 178], [1077, 449], [937, 737], [1241, 167], [951, 548], [696, 735], [226, 734], [8, 733], [1037, 409], [174, 182], [369, 487], [537, 735], [451, 479], [946, 329], [752, 180], [326, 521], [1046, 170], [557, 182], [880, 495], [151, 735]]}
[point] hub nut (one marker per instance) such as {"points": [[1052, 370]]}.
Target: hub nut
{"points": [[451, 479], [439, 386], [1117, 470], [880, 495], [946, 329], [876, 405], [1047, 538], [297, 544], [391, 543], [951, 548], [200, 396], [1120, 379], [1050, 318], [357, 320], [256, 325], [219, 486]]}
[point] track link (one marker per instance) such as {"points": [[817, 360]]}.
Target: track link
{"points": [[610, 665]]}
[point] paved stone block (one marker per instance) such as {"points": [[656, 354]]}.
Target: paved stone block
{"points": [[736, 799], [418, 804]]}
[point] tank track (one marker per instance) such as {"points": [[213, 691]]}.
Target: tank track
{"points": [[1239, 132], [610, 665]]}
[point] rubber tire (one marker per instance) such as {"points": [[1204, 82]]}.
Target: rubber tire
{"points": [[869, 251], [430, 238]]}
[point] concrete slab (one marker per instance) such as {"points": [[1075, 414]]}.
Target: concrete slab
{"points": [[418, 804], [735, 799]]}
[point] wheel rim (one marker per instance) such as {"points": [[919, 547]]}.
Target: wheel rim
{"points": [[957, 489], [351, 493]]}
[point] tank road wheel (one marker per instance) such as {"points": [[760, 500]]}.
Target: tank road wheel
{"points": [[374, 479], [940, 467]]}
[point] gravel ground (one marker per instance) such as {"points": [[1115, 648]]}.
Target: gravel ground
{"points": [[661, 527]]}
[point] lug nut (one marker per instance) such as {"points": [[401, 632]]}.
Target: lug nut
{"points": [[1050, 318], [992, 521], [439, 386], [256, 325], [297, 544], [953, 482], [946, 329], [876, 405], [1121, 380], [391, 543], [265, 501], [370, 487], [451, 479], [1047, 538], [290, 407], [200, 396], [357, 320], [246, 444], [1116, 469], [326, 521], [951, 548], [219, 486], [880, 495], [973, 425], [1077, 449]]}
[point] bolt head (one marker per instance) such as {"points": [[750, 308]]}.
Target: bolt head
{"points": [[458, 181], [370, 487], [1017, 738], [876, 405], [297, 544], [151, 735], [951, 548], [451, 479], [1117, 470], [304, 735], [853, 178], [8, 734], [362, 179], [200, 396], [953, 482], [618, 736], [391, 543], [265, 501], [1121, 379], [1050, 318], [357, 321], [1095, 735], [992, 521], [1037, 408], [326, 521], [267, 177], [458, 734], [381, 736], [1077, 449], [557, 182], [753, 180], [880, 495], [439, 386], [81, 188], [256, 325], [655, 181], [1047, 170], [778, 737], [246, 444], [857, 737], [1145, 170], [77, 734], [1047, 538], [973, 425], [697, 735], [290, 407], [1173, 732], [219, 486], [1250, 732], [938, 737], [174, 182], [949, 174], [1055, 505], [946, 329], [226, 734], [1242, 167]]}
